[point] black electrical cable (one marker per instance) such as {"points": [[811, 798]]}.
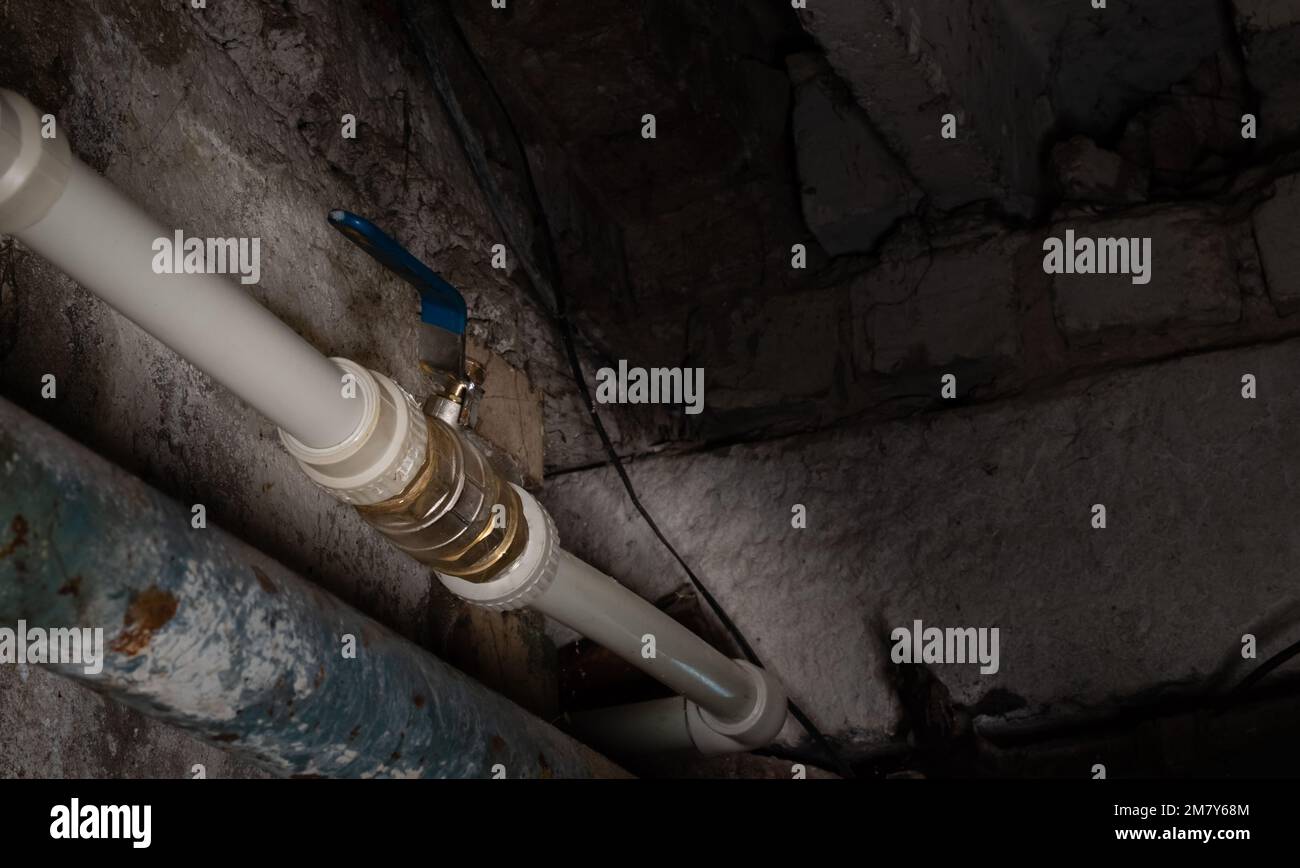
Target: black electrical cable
{"points": [[739, 637], [1257, 674], [553, 288]]}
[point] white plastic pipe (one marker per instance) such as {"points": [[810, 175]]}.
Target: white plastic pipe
{"points": [[104, 241], [586, 600], [364, 450], [697, 718], [657, 726], [724, 705]]}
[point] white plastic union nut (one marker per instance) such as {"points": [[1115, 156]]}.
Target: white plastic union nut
{"points": [[528, 576], [757, 729], [33, 169], [382, 456]]}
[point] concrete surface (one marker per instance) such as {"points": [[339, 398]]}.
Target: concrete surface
{"points": [[982, 517], [853, 188], [1270, 36]]}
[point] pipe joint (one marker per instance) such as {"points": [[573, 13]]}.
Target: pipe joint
{"points": [[712, 735], [382, 455], [457, 515], [34, 170], [528, 576], [455, 396]]}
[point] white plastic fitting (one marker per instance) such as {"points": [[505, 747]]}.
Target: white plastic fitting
{"points": [[585, 599], [33, 170], [385, 452], [526, 578], [713, 735], [677, 723], [364, 448], [579, 596], [64, 211], [730, 705]]}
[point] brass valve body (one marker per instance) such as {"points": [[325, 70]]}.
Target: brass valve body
{"points": [[458, 515]]}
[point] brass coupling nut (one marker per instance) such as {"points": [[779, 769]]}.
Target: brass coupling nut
{"points": [[457, 515], [523, 579]]}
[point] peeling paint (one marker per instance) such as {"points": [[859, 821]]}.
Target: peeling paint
{"points": [[207, 648]]}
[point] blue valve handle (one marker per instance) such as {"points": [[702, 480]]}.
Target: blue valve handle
{"points": [[441, 304]]}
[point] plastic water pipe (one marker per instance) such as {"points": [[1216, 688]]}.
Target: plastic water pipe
{"points": [[353, 430], [657, 726], [596, 606], [727, 706], [67, 213], [413, 477]]}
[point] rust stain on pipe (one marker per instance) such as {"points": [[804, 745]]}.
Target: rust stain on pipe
{"points": [[19, 528], [193, 613], [148, 611]]}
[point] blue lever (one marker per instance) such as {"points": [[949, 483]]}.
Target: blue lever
{"points": [[441, 304]]}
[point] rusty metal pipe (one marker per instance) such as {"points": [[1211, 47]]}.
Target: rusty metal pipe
{"points": [[205, 632]]}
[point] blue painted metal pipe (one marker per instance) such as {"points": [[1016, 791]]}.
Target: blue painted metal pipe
{"points": [[207, 633]]}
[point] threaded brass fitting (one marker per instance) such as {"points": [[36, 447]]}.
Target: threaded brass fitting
{"points": [[458, 515]]}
